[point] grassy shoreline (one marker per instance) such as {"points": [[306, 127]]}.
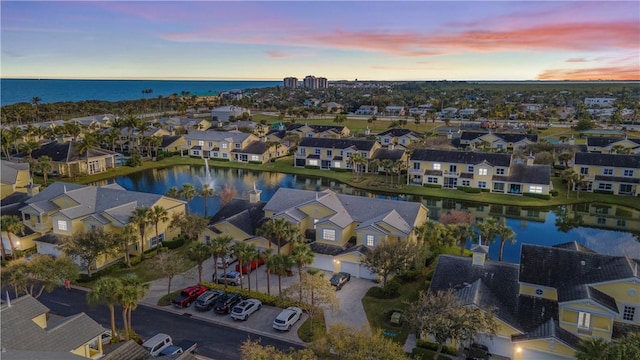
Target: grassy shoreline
{"points": [[377, 183]]}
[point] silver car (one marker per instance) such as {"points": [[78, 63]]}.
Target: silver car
{"points": [[245, 308], [229, 278], [287, 318]]}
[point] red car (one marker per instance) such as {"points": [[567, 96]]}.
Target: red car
{"points": [[245, 267], [188, 295]]}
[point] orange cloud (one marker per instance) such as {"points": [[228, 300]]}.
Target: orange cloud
{"points": [[576, 60], [599, 73]]}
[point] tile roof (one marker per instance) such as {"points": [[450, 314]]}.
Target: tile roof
{"points": [[573, 245], [571, 292], [255, 147], [363, 145], [530, 174], [383, 154], [67, 152], [626, 161], [9, 171], [129, 350], [549, 329], [461, 157], [606, 141], [242, 214]]}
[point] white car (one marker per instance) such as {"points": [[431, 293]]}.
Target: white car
{"points": [[228, 259], [287, 318], [245, 308]]}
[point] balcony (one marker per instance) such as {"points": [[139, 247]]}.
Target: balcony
{"points": [[451, 173]]}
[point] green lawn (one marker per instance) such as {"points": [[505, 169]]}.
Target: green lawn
{"points": [[319, 328]]}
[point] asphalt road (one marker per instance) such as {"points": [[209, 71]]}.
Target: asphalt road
{"points": [[214, 341]]}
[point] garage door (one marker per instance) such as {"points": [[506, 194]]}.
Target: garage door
{"points": [[539, 355], [365, 273], [350, 268], [497, 345], [323, 262]]}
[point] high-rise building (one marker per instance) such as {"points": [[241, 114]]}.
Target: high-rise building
{"points": [[323, 83], [310, 82], [290, 82]]}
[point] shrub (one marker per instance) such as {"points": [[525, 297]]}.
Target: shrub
{"points": [[470, 190], [538, 196], [409, 275], [392, 288], [450, 350], [376, 292], [173, 244], [553, 192], [312, 167], [425, 354], [84, 278], [430, 274], [434, 186], [134, 160]]}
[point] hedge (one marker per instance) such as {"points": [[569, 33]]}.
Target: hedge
{"points": [[266, 299], [255, 162], [608, 192], [312, 167], [470, 190], [434, 186], [538, 196], [173, 244], [553, 192], [450, 350]]}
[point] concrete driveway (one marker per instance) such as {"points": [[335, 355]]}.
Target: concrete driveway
{"points": [[351, 311]]}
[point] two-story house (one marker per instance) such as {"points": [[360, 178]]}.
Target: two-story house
{"points": [[367, 110], [319, 131], [344, 228], [398, 137], [29, 333], [610, 173], [63, 209], [552, 299], [14, 177], [394, 110], [608, 145], [68, 161], [218, 144], [489, 171], [500, 141], [332, 153]]}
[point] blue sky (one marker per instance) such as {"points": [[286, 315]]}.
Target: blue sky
{"points": [[368, 40]]}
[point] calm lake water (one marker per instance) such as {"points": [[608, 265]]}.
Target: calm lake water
{"points": [[605, 229]]}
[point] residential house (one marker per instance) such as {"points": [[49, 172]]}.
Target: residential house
{"points": [[607, 145], [223, 113], [332, 153], [554, 298], [319, 131], [312, 102], [343, 228], [500, 141], [488, 171], [599, 101], [610, 173], [393, 110], [95, 122], [14, 177], [28, 332], [217, 144], [398, 137], [466, 113], [332, 107], [259, 152], [172, 143], [67, 161], [63, 209], [534, 108], [367, 110]]}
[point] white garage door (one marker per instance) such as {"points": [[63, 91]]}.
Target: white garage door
{"points": [[350, 268], [539, 355], [366, 273], [497, 345], [323, 262]]}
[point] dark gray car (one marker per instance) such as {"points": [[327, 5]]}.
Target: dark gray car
{"points": [[207, 299]]}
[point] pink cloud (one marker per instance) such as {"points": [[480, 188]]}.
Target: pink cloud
{"points": [[599, 73], [576, 60], [276, 54]]}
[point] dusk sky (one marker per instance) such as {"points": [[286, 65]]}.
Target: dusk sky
{"points": [[367, 40]]}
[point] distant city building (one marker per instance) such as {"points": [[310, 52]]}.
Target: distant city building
{"points": [[600, 101], [312, 82], [323, 83], [291, 83]]}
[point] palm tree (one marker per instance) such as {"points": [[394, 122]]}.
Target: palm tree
{"points": [[239, 248], [28, 148], [593, 349], [280, 265], [387, 165], [302, 255], [188, 192], [44, 166], [105, 291], [219, 249], [83, 146], [173, 192], [6, 142], [277, 230], [129, 295], [125, 238], [252, 255], [578, 180], [140, 217], [36, 101], [489, 230], [15, 135], [206, 192], [400, 166], [199, 252], [157, 215], [462, 232], [267, 255], [12, 225], [113, 136], [506, 234], [73, 129], [568, 176]]}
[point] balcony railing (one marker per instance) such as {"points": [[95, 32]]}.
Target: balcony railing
{"points": [[451, 173]]}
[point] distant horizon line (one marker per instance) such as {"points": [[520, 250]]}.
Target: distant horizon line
{"points": [[341, 80]]}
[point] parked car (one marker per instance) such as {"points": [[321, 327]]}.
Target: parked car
{"points": [[105, 337], [157, 343], [226, 302], [229, 278], [207, 299], [247, 268], [228, 259], [338, 280], [287, 318], [478, 352], [183, 346], [245, 308], [188, 295]]}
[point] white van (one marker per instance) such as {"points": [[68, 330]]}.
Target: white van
{"points": [[157, 343]]}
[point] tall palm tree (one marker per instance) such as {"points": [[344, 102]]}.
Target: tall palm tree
{"points": [[277, 230], [157, 215], [140, 217], [267, 255], [12, 225], [506, 234], [36, 101], [239, 248], [125, 238], [281, 265], [105, 291], [15, 135], [199, 252], [83, 146], [206, 192], [44, 165], [252, 255], [489, 230], [73, 129], [593, 349], [302, 255], [6, 141], [188, 192], [219, 249], [462, 233], [173, 192], [129, 295], [113, 137]]}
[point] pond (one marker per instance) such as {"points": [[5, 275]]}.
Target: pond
{"points": [[607, 229]]}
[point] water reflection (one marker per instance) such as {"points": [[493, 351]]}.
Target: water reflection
{"points": [[607, 229]]}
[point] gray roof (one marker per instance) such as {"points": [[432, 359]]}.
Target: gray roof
{"points": [[529, 174], [506, 137], [397, 132], [67, 152], [383, 154], [461, 157], [255, 147], [549, 329], [606, 141], [9, 171], [129, 350], [242, 214], [613, 160], [361, 145], [229, 136], [19, 332], [40, 355]]}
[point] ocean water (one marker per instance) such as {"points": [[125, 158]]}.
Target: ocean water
{"points": [[50, 91]]}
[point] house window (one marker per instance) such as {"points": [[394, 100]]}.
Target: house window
{"points": [[210, 144], [437, 166], [584, 320], [387, 140], [200, 142], [225, 155], [303, 151], [416, 166], [371, 240], [482, 184], [313, 162], [584, 171], [498, 187], [466, 182], [154, 241], [604, 186], [628, 313], [453, 168], [601, 221], [225, 145], [207, 239], [627, 172], [432, 180], [329, 234], [196, 152], [607, 171], [364, 154], [62, 225], [255, 157], [621, 223], [470, 168], [237, 145], [500, 171], [626, 189], [482, 172], [189, 143], [215, 154], [539, 292], [336, 164], [316, 151], [535, 189], [329, 153]]}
